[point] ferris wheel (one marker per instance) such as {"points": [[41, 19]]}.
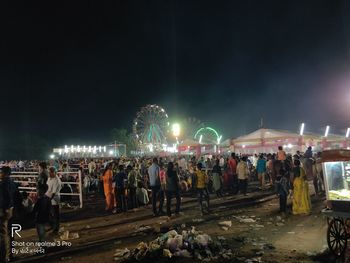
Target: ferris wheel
{"points": [[151, 125]]}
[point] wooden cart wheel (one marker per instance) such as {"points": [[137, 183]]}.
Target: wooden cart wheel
{"points": [[337, 237]]}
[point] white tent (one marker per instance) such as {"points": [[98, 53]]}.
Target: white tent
{"points": [[268, 140]]}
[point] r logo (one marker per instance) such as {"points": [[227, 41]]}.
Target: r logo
{"points": [[16, 228]]}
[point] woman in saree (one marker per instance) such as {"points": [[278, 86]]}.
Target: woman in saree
{"points": [[301, 196], [107, 178]]}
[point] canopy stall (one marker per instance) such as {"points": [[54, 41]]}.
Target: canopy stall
{"points": [[268, 140]]}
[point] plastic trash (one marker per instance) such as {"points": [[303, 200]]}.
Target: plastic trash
{"points": [[225, 223]]}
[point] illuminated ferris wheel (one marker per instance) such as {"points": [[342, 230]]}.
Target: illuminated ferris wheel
{"points": [[151, 125]]}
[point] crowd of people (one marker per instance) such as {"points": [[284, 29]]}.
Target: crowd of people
{"points": [[129, 183]]}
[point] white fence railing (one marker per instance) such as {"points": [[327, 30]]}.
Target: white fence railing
{"points": [[27, 182]]}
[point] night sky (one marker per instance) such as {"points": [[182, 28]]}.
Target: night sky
{"points": [[72, 71]]}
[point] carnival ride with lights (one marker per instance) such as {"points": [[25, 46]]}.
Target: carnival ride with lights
{"points": [[150, 127], [207, 135]]}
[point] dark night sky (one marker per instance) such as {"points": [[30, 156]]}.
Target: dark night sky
{"points": [[76, 70]]}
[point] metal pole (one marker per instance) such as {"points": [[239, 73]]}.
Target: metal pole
{"points": [[80, 191]]}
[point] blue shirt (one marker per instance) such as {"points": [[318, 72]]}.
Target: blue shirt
{"points": [[261, 166]]}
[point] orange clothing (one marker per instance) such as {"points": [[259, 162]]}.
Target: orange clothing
{"points": [[108, 190]]}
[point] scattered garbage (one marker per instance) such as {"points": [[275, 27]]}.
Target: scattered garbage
{"points": [[225, 223], [247, 220], [189, 244], [121, 254], [291, 233], [143, 228], [66, 235], [279, 224]]}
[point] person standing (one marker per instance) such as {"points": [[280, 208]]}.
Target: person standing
{"points": [[282, 189], [157, 193], [301, 197], [54, 186], [232, 165], [41, 211], [201, 187], [43, 175], [107, 178], [217, 179], [172, 189], [308, 161], [120, 181], [7, 195], [281, 154], [319, 171], [261, 170], [133, 177], [92, 167], [243, 172]]}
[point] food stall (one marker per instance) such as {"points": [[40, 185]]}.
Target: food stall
{"points": [[336, 171]]}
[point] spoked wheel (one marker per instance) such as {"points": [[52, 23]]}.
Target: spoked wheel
{"points": [[337, 237]]}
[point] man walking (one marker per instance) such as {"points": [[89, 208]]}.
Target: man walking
{"points": [[157, 193]]}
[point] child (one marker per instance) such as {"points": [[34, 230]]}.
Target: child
{"points": [[41, 212], [141, 194], [282, 189]]}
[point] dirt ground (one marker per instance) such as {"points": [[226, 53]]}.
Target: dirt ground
{"points": [[293, 238]]}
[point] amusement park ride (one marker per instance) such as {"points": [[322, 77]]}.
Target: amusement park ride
{"points": [[154, 133]]}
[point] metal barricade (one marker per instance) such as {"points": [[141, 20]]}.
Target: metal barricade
{"points": [[27, 182]]}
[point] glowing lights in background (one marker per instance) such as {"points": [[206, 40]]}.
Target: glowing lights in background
{"points": [[219, 139], [289, 146], [84, 149], [176, 129], [52, 156], [326, 132], [347, 133], [302, 127]]}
